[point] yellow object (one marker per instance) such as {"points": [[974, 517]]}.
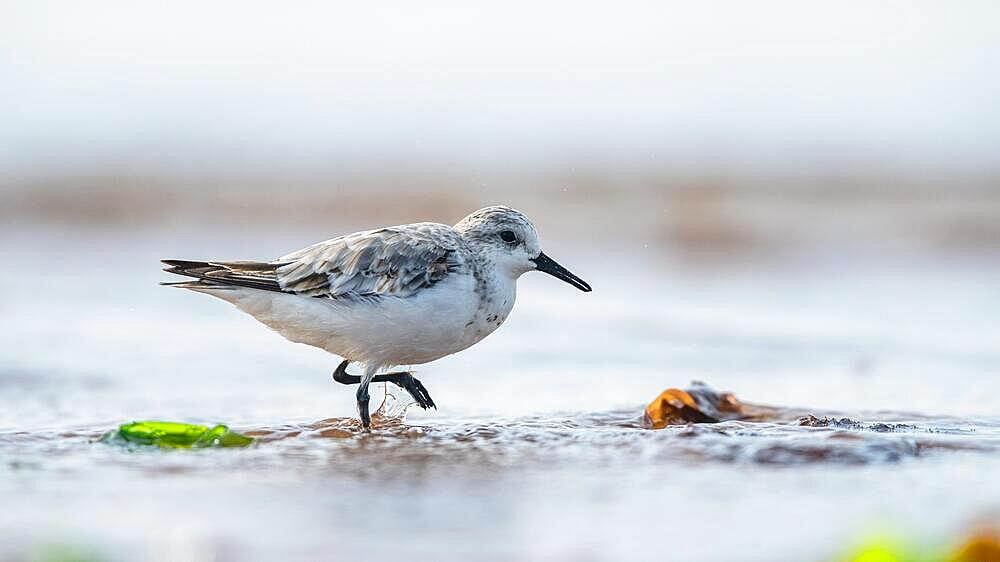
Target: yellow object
{"points": [[881, 551]]}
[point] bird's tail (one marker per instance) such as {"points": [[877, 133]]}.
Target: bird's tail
{"points": [[223, 275]]}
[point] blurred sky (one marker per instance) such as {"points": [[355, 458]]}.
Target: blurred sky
{"points": [[201, 85]]}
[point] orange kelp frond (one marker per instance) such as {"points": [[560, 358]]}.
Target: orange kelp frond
{"points": [[672, 407], [700, 403]]}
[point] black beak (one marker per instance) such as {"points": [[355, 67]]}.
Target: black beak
{"points": [[549, 265]]}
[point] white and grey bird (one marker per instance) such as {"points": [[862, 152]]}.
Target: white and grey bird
{"points": [[401, 295]]}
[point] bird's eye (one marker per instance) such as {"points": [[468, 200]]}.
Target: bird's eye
{"points": [[508, 236]]}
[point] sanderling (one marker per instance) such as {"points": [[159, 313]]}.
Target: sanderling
{"points": [[401, 295]]}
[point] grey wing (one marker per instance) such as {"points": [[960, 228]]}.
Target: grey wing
{"points": [[397, 261]]}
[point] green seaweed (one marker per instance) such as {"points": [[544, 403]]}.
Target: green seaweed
{"points": [[176, 435]]}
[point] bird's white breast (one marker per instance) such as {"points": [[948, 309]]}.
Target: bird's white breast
{"points": [[496, 300], [418, 329]]}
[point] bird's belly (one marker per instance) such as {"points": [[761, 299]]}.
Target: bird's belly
{"points": [[413, 330], [438, 321]]}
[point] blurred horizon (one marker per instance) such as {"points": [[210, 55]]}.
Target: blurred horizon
{"points": [[717, 217]]}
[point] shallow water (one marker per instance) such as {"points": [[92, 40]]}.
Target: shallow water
{"points": [[537, 451]]}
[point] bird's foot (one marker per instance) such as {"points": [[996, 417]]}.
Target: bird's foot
{"points": [[415, 388]]}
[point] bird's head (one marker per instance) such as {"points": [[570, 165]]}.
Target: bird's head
{"points": [[510, 241]]}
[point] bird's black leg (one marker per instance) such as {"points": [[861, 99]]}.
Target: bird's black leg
{"points": [[366, 418], [402, 379], [340, 375]]}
